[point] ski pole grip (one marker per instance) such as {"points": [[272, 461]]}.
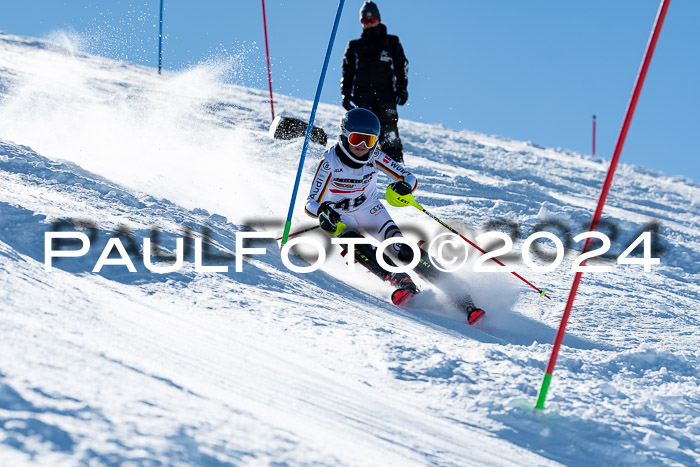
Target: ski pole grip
{"points": [[399, 201]]}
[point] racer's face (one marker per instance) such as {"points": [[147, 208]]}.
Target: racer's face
{"points": [[358, 151]]}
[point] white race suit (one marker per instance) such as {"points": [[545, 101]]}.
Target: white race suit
{"points": [[354, 191]]}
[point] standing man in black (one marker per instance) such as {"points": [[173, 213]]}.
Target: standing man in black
{"points": [[375, 77]]}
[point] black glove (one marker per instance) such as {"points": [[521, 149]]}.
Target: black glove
{"points": [[401, 96], [401, 188], [347, 104], [328, 217]]}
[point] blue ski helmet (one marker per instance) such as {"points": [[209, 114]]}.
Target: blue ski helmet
{"points": [[360, 121]]}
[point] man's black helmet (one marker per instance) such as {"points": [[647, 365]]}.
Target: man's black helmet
{"points": [[369, 10]]}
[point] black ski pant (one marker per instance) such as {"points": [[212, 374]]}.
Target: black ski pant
{"points": [[366, 255], [442, 280], [383, 105]]}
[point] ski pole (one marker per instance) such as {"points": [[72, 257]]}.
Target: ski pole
{"points": [[300, 232], [409, 200]]}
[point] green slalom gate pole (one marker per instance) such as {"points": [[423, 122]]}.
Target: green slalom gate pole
{"points": [[288, 224], [409, 200], [663, 7]]}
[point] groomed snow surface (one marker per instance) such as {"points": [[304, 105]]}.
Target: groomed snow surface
{"points": [[267, 366]]}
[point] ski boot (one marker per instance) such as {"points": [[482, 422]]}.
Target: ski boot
{"points": [[474, 314], [466, 304], [427, 270], [401, 280], [405, 288]]}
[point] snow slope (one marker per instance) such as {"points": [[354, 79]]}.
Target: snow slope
{"points": [[268, 366]]}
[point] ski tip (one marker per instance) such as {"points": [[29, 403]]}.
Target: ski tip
{"points": [[475, 316], [401, 296]]}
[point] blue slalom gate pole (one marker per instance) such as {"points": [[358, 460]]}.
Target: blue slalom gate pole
{"points": [[288, 224], [160, 39]]}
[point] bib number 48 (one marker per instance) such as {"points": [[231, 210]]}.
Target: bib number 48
{"points": [[344, 204]]}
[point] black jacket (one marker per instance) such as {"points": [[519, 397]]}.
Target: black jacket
{"points": [[374, 62]]}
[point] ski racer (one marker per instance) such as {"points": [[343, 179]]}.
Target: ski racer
{"points": [[344, 194]]}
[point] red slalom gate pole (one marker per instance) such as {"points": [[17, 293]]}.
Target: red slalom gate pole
{"points": [[661, 15], [594, 135], [300, 232], [267, 53]]}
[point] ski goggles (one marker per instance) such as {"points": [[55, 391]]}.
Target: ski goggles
{"points": [[369, 21], [355, 139]]}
